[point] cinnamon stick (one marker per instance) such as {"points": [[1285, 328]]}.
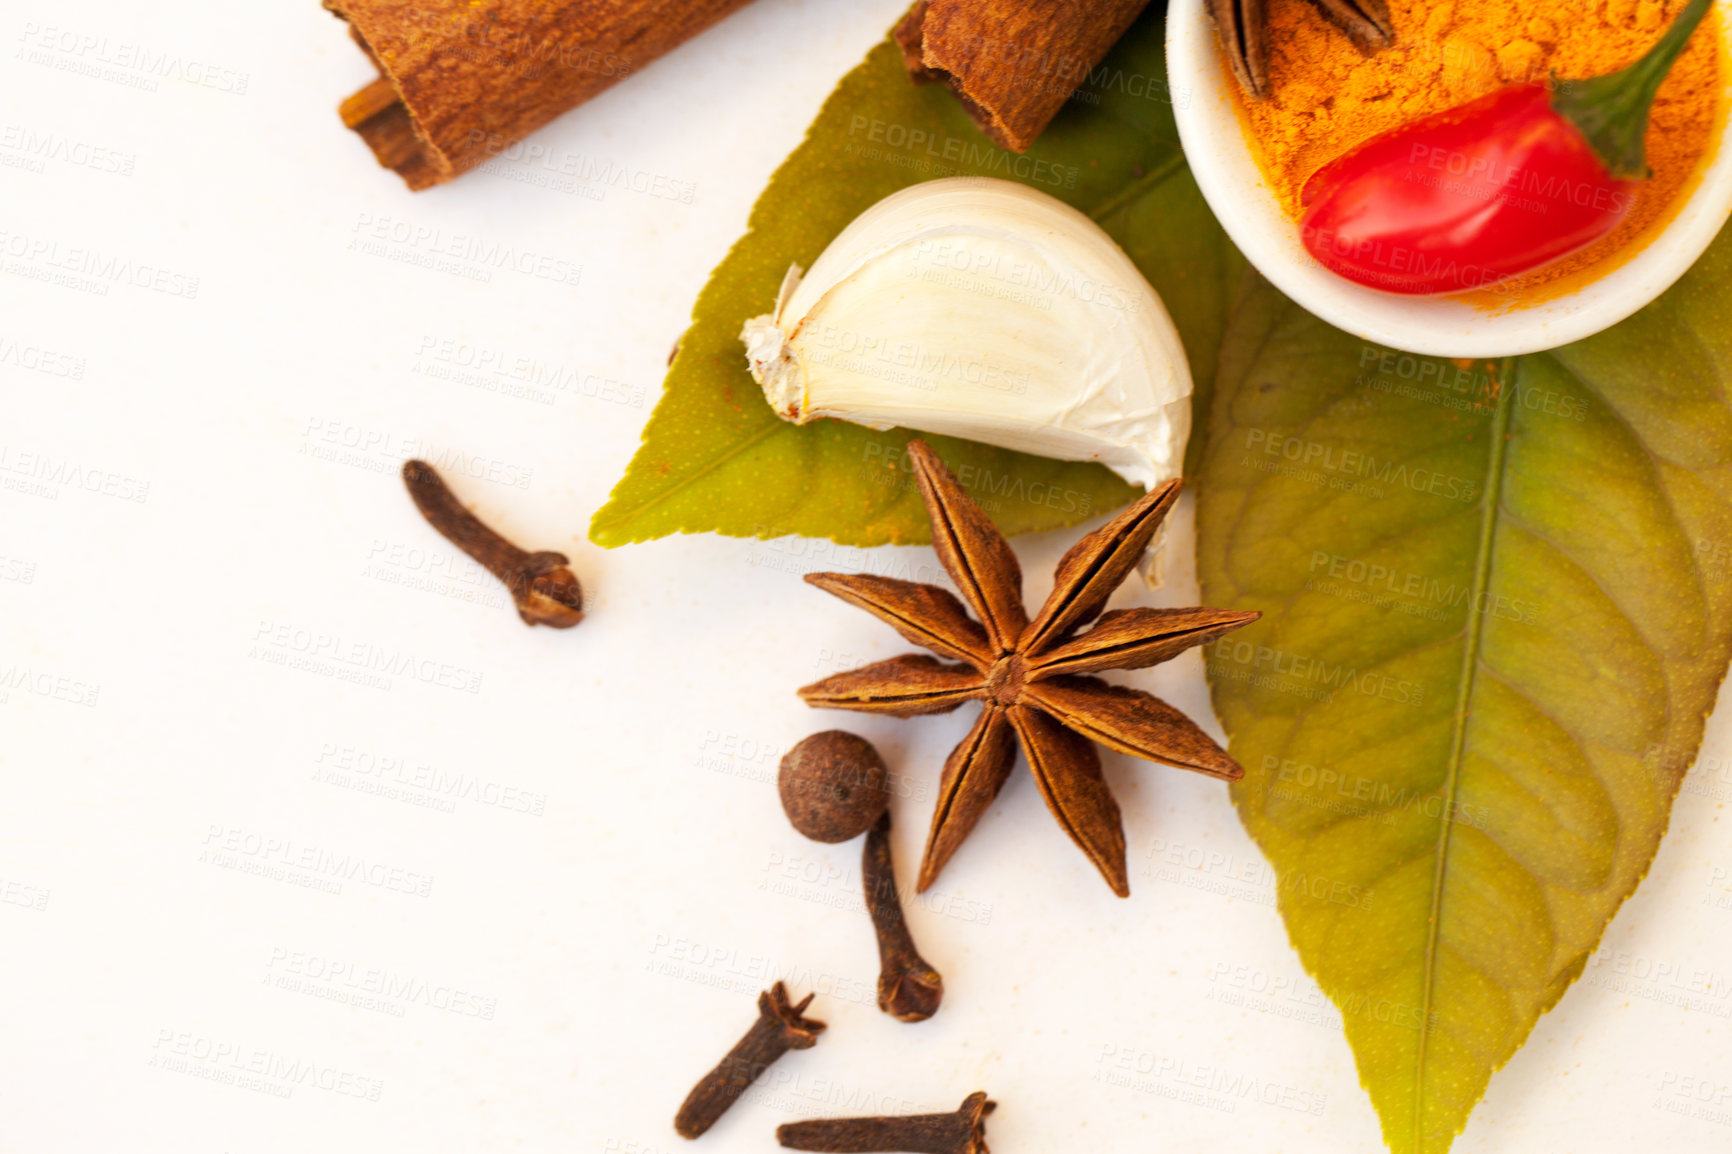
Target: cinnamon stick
{"points": [[1012, 63], [461, 80]]}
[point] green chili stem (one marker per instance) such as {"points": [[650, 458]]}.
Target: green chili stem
{"points": [[1612, 111]]}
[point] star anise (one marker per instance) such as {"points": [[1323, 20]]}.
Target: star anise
{"points": [[1243, 28], [1032, 677]]}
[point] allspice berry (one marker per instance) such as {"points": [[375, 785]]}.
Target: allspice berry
{"points": [[834, 786]]}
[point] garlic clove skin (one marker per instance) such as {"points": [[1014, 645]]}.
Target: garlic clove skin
{"points": [[982, 309]]}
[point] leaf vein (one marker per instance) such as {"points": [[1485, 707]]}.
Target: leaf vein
{"points": [[1140, 188], [1658, 462], [1469, 663], [690, 479]]}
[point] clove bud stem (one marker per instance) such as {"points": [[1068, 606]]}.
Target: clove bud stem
{"points": [[546, 592], [963, 1132], [909, 989], [779, 1028]]}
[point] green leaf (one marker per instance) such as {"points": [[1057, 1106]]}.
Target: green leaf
{"points": [[716, 458], [1497, 612]]}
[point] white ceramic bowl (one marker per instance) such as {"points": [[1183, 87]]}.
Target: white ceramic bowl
{"points": [[1219, 156]]}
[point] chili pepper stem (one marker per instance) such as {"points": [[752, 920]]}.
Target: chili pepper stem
{"points": [[1612, 111]]}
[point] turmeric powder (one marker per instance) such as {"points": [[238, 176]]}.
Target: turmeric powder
{"points": [[1326, 97]]}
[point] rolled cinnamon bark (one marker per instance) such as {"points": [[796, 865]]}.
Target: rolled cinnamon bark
{"points": [[1013, 63], [462, 80]]}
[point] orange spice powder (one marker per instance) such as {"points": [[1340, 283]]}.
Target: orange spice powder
{"points": [[1326, 97]]}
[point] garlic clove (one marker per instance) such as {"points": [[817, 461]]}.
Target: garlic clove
{"points": [[985, 310]]}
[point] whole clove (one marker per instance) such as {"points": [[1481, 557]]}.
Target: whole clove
{"points": [[961, 1132], [779, 1028], [909, 989], [545, 591], [833, 786]]}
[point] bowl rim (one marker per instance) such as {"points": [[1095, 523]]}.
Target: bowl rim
{"points": [[1212, 134]]}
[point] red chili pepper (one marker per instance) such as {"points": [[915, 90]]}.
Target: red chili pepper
{"points": [[1492, 189]]}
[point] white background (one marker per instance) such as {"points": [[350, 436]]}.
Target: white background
{"points": [[200, 520]]}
